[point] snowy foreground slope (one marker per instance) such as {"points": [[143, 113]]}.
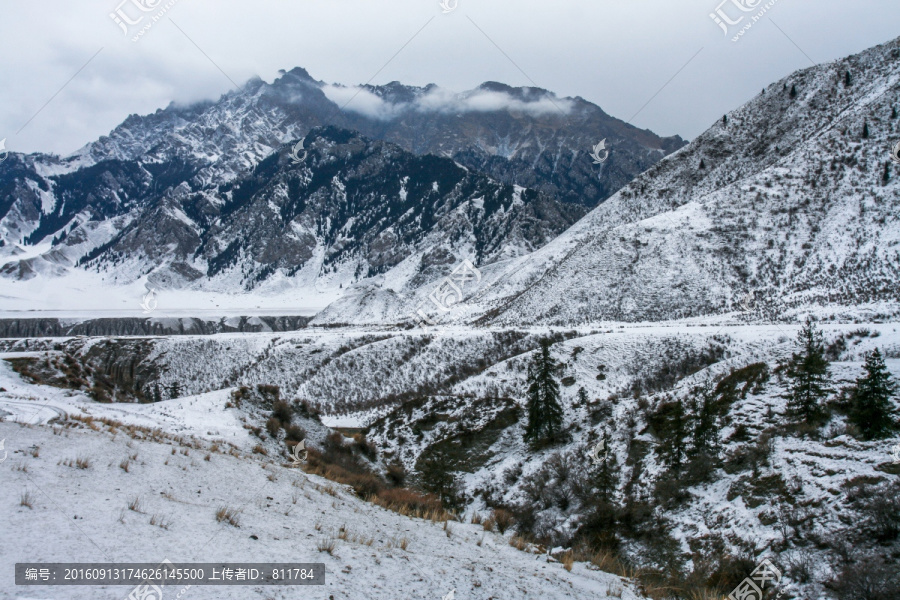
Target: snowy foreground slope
{"points": [[456, 396], [185, 460]]}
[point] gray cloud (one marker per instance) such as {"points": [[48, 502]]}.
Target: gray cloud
{"points": [[616, 54]]}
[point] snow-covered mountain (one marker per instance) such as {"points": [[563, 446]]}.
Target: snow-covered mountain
{"points": [[788, 202], [172, 190]]}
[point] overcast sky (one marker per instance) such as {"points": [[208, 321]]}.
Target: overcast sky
{"points": [[619, 54]]}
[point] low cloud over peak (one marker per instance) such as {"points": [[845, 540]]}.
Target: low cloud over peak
{"points": [[437, 100]]}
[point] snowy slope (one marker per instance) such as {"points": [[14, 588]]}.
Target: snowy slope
{"points": [[460, 393], [790, 200], [186, 458], [790, 205]]}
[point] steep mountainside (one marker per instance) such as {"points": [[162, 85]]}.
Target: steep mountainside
{"points": [[352, 207], [785, 203]]}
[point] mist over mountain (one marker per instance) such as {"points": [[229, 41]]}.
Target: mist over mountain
{"points": [[201, 195]]}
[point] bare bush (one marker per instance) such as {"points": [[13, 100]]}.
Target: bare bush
{"points": [[503, 519]]}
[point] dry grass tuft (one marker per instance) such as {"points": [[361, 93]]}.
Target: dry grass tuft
{"points": [[326, 544], [518, 542], [228, 515], [26, 499], [135, 504], [160, 521], [82, 462], [568, 560], [402, 543]]}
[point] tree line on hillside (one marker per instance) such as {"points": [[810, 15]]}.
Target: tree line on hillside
{"points": [[689, 449], [867, 403]]}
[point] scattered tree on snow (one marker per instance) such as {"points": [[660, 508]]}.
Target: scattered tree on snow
{"points": [[870, 401], [545, 415], [808, 374]]}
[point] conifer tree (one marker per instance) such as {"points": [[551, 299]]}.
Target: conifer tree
{"points": [[673, 431], [847, 78], [545, 415], [436, 476], [704, 437], [870, 405], [582, 396], [865, 133], [793, 91], [606, 478], [600, 511], [808, 374]]}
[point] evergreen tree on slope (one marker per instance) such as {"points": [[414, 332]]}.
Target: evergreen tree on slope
{"points": [[870, 407], [808, 374], [545, 415]]}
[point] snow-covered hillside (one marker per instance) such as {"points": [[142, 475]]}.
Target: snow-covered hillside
{"points": [[151, 479], [458, 397], [790, 200]]}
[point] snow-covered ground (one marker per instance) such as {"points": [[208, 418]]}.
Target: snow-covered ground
{"points": [[81, 295], [82, 515], [345, 369]]}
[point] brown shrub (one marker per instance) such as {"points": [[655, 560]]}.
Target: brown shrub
{"points": [[503, 518], [273, 426], [408, 502], [282, 411], [294, 433], [396, 473], [366, 447]]}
